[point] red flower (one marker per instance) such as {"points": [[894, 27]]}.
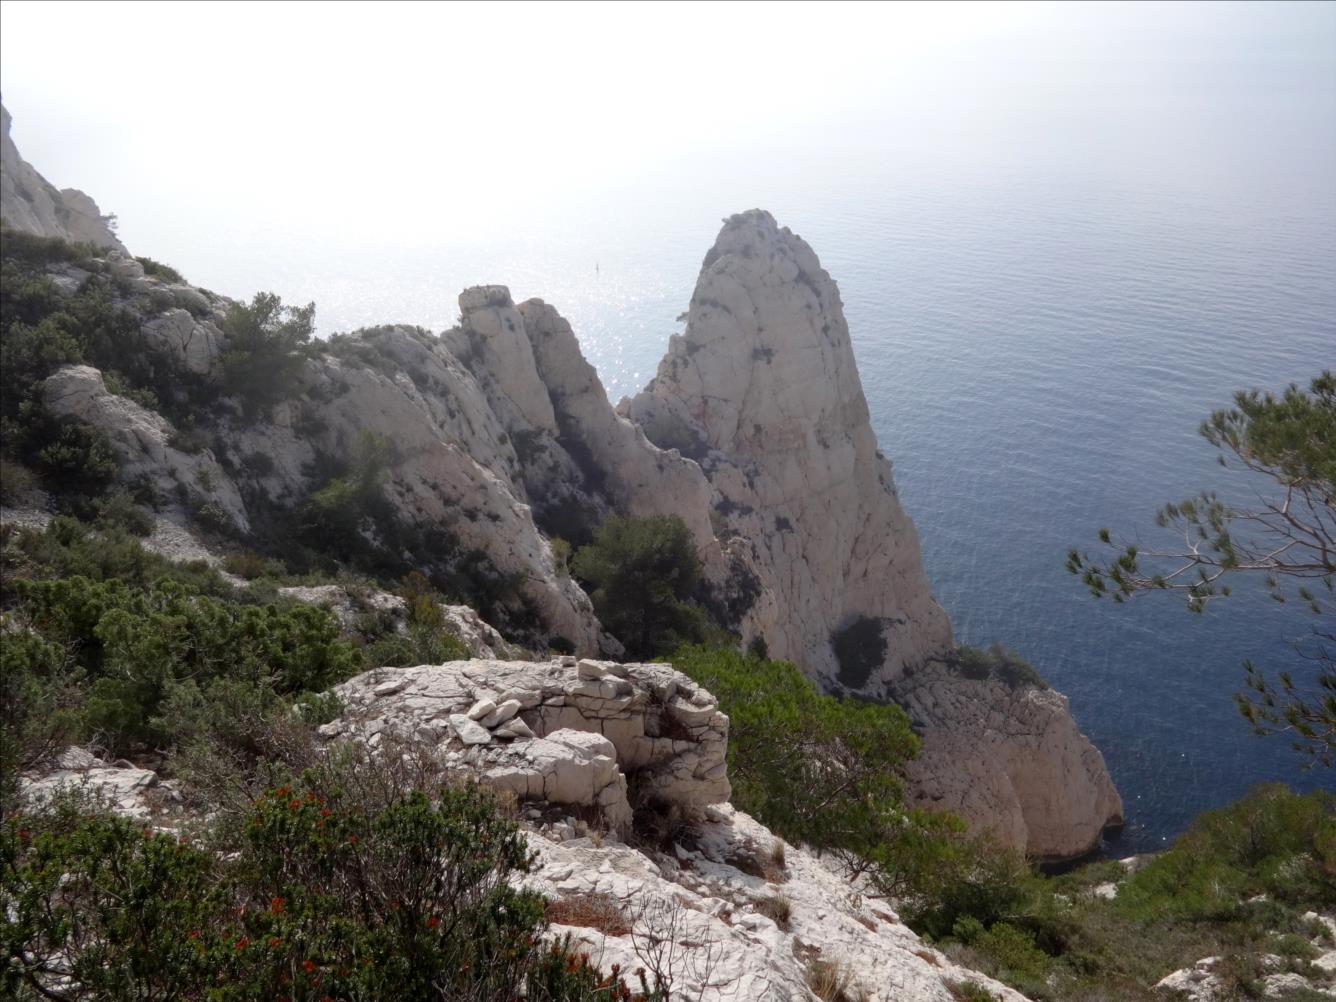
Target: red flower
{"points": [[352, 839], [274, 941], [433, 922], [325, 812], [276, 905], [308, 966], [242, 943], [294, 804], [193, 934]]}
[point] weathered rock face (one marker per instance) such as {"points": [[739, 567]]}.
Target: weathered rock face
{"points": [[633, 475], [1010, 761], [141, 438], [563, 732], [193, 343], [30, 203], [762, 391], [123, 787]]}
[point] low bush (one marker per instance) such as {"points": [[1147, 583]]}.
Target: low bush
{"points": [[346, 883], [1235, 885], [156, 269], [17, 483], [997, 662], [133, 646], [816, 769], [266, 350], [642, 571]]}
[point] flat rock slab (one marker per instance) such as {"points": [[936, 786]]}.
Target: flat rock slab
{"points": [[470, 731]]}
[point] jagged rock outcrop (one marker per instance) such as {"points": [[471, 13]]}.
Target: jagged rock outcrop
{"points": [[1008, 759], [636, 477], [193, 343], [30, 203], [563, 732], [762, 390]]}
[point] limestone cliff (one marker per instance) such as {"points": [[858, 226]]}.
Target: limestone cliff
{"points": [[498, 437], [763, 392], [30, 203]]}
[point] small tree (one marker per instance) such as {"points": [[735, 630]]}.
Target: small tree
{"points": [[265, 350], [1288, 541], [642, 570]]}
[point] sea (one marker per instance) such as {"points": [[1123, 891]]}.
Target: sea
{"points": [[1040, 334]]}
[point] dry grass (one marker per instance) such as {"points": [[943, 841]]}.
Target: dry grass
{"points": [[768, 865], [969, 991], [928, 956], [778, 909], [590, 911], [833, 982]]}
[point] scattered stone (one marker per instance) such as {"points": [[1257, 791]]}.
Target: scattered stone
{"points": [[481, 709], [503, 712], [515, 728], [592, 669], [469, 731]]}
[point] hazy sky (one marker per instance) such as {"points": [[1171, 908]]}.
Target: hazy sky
{"points": [[347, 123]]}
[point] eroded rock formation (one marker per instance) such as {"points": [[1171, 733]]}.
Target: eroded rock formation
{"points": [[563, 732], [763, 392], [29, 202], [1009, 759]]}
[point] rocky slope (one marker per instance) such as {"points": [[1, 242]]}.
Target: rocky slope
{"points": [[498, 437], [30, 203], [726, 910]]}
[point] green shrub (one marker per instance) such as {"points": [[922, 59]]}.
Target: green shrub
{"points": [[75, 457], [118, 510], [816, 769], [156, 269], [346, 883], [17, 483], [997, 662], [251, 565], [123, 910], [266, 349], [642, 570], [135, 646], [68, 548], [1272, 842]]}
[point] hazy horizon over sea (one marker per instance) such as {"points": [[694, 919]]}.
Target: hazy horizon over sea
{"points": [[1040, 328]]}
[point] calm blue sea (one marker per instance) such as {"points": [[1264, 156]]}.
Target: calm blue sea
{"points": [[1038, 340]]}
